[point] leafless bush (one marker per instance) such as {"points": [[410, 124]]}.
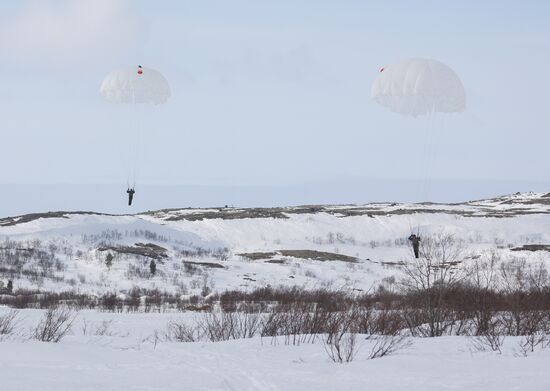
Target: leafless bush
{"points": [[383, 321], [155, 338], [385, 345], [55, 325], [491, 338], [343, 328], [340, 347], [181, 332], [298, 323], [221, 253], [529, 343], [101, 329], [340, 341], [482, 279], [536, 332], [223, 326], [8, 323], [525, 292]]}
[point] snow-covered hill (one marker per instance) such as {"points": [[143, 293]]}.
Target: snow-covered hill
{"points": [[352, 246]]}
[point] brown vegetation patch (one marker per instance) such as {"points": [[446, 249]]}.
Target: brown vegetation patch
{"points": [[276, 261], [8, 221], [532, 247], [210, 265], [149, 250], [230, 214], [318, 255], [303, 254], [257, 256]]}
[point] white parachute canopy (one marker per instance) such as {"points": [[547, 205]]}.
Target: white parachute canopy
{"points": [[419, 86], [135, 85]]}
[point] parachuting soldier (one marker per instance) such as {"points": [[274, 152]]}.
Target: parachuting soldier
{"points": [[130, 192], [415, 241], [415, 87], [135, 86]]}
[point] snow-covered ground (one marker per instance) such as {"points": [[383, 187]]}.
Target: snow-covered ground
{"points": [[352, 246], [127, 358], [248, 248]]}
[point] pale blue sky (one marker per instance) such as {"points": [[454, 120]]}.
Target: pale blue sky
{"points": [[269, 93]]}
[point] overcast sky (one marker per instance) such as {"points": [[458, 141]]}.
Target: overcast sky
{"points": [[270, 93]]}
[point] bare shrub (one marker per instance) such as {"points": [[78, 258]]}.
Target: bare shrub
{"points": [[340, 347], [223, 326], [299, 323], [530, 342], [8, 323], [482, 280], [155, 338], [514, 279], [55, 325], [525, 292], [383, 321], [491, 338], [536, 331], [100, 330], [385, 345], [181, 332], [340, 341], [289, 296]]}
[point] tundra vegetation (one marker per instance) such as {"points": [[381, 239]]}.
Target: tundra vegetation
{"points": [[444, 292]]}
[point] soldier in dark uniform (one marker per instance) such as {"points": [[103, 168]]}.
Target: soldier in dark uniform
{"points": [[415, 241], [130, 192]]}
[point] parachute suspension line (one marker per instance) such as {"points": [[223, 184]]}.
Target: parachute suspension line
{"points": [[427, 163], [130, 150], [137, 148], [134, 145], [439, 129], [133, 142]]}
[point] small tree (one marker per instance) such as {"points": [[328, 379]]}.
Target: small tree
{"points": [[153, 267], [428, 279], [9, 287], [109, 260], [482, 277]]}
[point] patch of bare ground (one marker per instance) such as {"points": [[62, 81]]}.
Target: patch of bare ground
{"points": [[321, 256], [257, 256], [231, 214], [210, 265], [148, 250], [9, 221], [532, 247], [276, 261]]}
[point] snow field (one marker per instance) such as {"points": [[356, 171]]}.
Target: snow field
{"points": [[129, 359]]}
